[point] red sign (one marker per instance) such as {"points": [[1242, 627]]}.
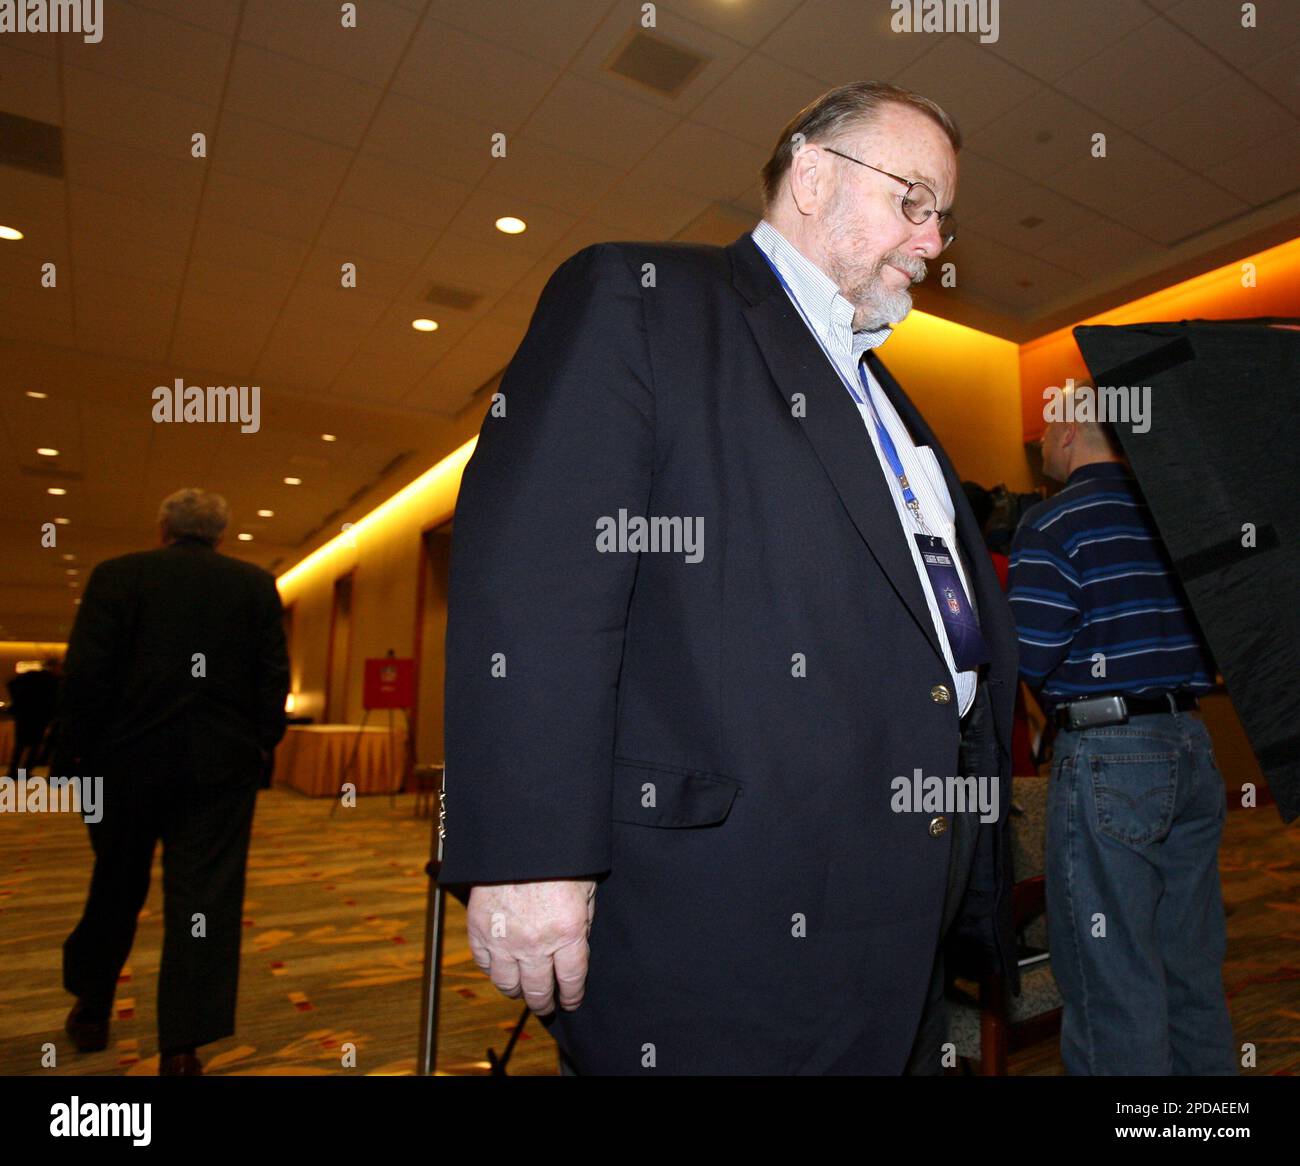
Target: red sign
{"points": [[390, 683]]}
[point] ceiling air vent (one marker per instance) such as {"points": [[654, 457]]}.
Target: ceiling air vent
{"points": [[31, 145], [452, 297], [656, 63]]}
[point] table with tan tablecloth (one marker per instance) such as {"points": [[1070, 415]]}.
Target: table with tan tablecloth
{"points": [[312, 758]]}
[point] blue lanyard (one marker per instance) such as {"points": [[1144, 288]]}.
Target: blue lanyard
{"points": [[886, 442]]}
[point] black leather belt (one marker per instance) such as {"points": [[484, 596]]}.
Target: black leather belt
{"points": [[1116, 708]]}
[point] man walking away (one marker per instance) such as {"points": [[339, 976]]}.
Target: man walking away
{"points": [[176, 677]]}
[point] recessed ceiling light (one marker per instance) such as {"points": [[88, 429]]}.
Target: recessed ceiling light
{"points": [[266, 514], [245, 537], [510, 225], [293, 481], [69, 558], [328, 437], [75, 602], [56, 490], [37, 396], [423, 325], [62, 521], [46, 451], [72, 571], [12, 233]]}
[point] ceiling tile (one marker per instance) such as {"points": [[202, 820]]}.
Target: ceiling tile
{"points": [[419, 136], [299, 97], [701, 161], [310, 31], [1049, 47], [1218, 27], [1130, 171], [1041, 137], [176, 182], [217, 15], [551, 32], [598, 123], [720, 55], [1004, 277], [99, 250], [1163, 67], [253, 149], [366, 235], [206, 344], [750, 23], [121, 218], [144, 47], [841, 41], [553, 177], [1274, 169], [757, 101], [250, 249], [116, 111], [1279, 76], [376, 280], [641, 208], [467, 77], [402, 192], [250, 202], [1221, 121], [29, 84], [1099, 249], [973, 86], [1028, 217]]}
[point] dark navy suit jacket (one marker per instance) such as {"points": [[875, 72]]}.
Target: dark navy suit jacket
{"points": [[714, 740]]}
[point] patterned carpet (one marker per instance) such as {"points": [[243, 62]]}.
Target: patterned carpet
{"points": [[332, 951]]}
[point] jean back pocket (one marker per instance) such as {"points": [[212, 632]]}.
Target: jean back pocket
{"points": [[1134, 795]]}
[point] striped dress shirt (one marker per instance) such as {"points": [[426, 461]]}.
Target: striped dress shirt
{"points": [[1098, 608], [830, 317]]}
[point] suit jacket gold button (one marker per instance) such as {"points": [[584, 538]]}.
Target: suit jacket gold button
{"points": [[940, 694], [938, 826]]}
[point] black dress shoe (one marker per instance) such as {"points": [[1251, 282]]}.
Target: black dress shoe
{"points": [[90, 1036], [180, 1065]]}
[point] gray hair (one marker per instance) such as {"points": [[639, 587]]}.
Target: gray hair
{"points": [[836, 113], [193, 513]]}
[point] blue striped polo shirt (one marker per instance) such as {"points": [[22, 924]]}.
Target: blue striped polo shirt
{"points": [[1090, 574]]}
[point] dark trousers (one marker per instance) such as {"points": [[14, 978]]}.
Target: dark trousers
{"points": [[29, 746], [204, 828]]}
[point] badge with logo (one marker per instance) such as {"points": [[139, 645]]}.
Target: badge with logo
{"points": [[968, 647]]}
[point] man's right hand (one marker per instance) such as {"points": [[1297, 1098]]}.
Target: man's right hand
{"points": [[528, 937]]}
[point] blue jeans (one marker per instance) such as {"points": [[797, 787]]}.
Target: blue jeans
{"points": [[1134, 906]]}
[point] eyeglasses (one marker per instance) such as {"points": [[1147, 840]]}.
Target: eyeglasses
{"points": [[919, 201]]}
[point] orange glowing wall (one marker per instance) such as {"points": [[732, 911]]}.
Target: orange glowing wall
{"points": [[1222, 294]]}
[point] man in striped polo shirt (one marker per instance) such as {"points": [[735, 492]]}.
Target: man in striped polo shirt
{"points": [[1136, 803]]}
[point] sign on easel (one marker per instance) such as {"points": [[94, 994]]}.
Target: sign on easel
{"points": [[389, 683]]}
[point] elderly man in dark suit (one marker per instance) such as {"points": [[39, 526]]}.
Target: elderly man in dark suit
{"points": [[174, 691], [710, 605]]}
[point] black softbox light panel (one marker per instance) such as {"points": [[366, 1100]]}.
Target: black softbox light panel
{"points": [[1220, 468]]}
